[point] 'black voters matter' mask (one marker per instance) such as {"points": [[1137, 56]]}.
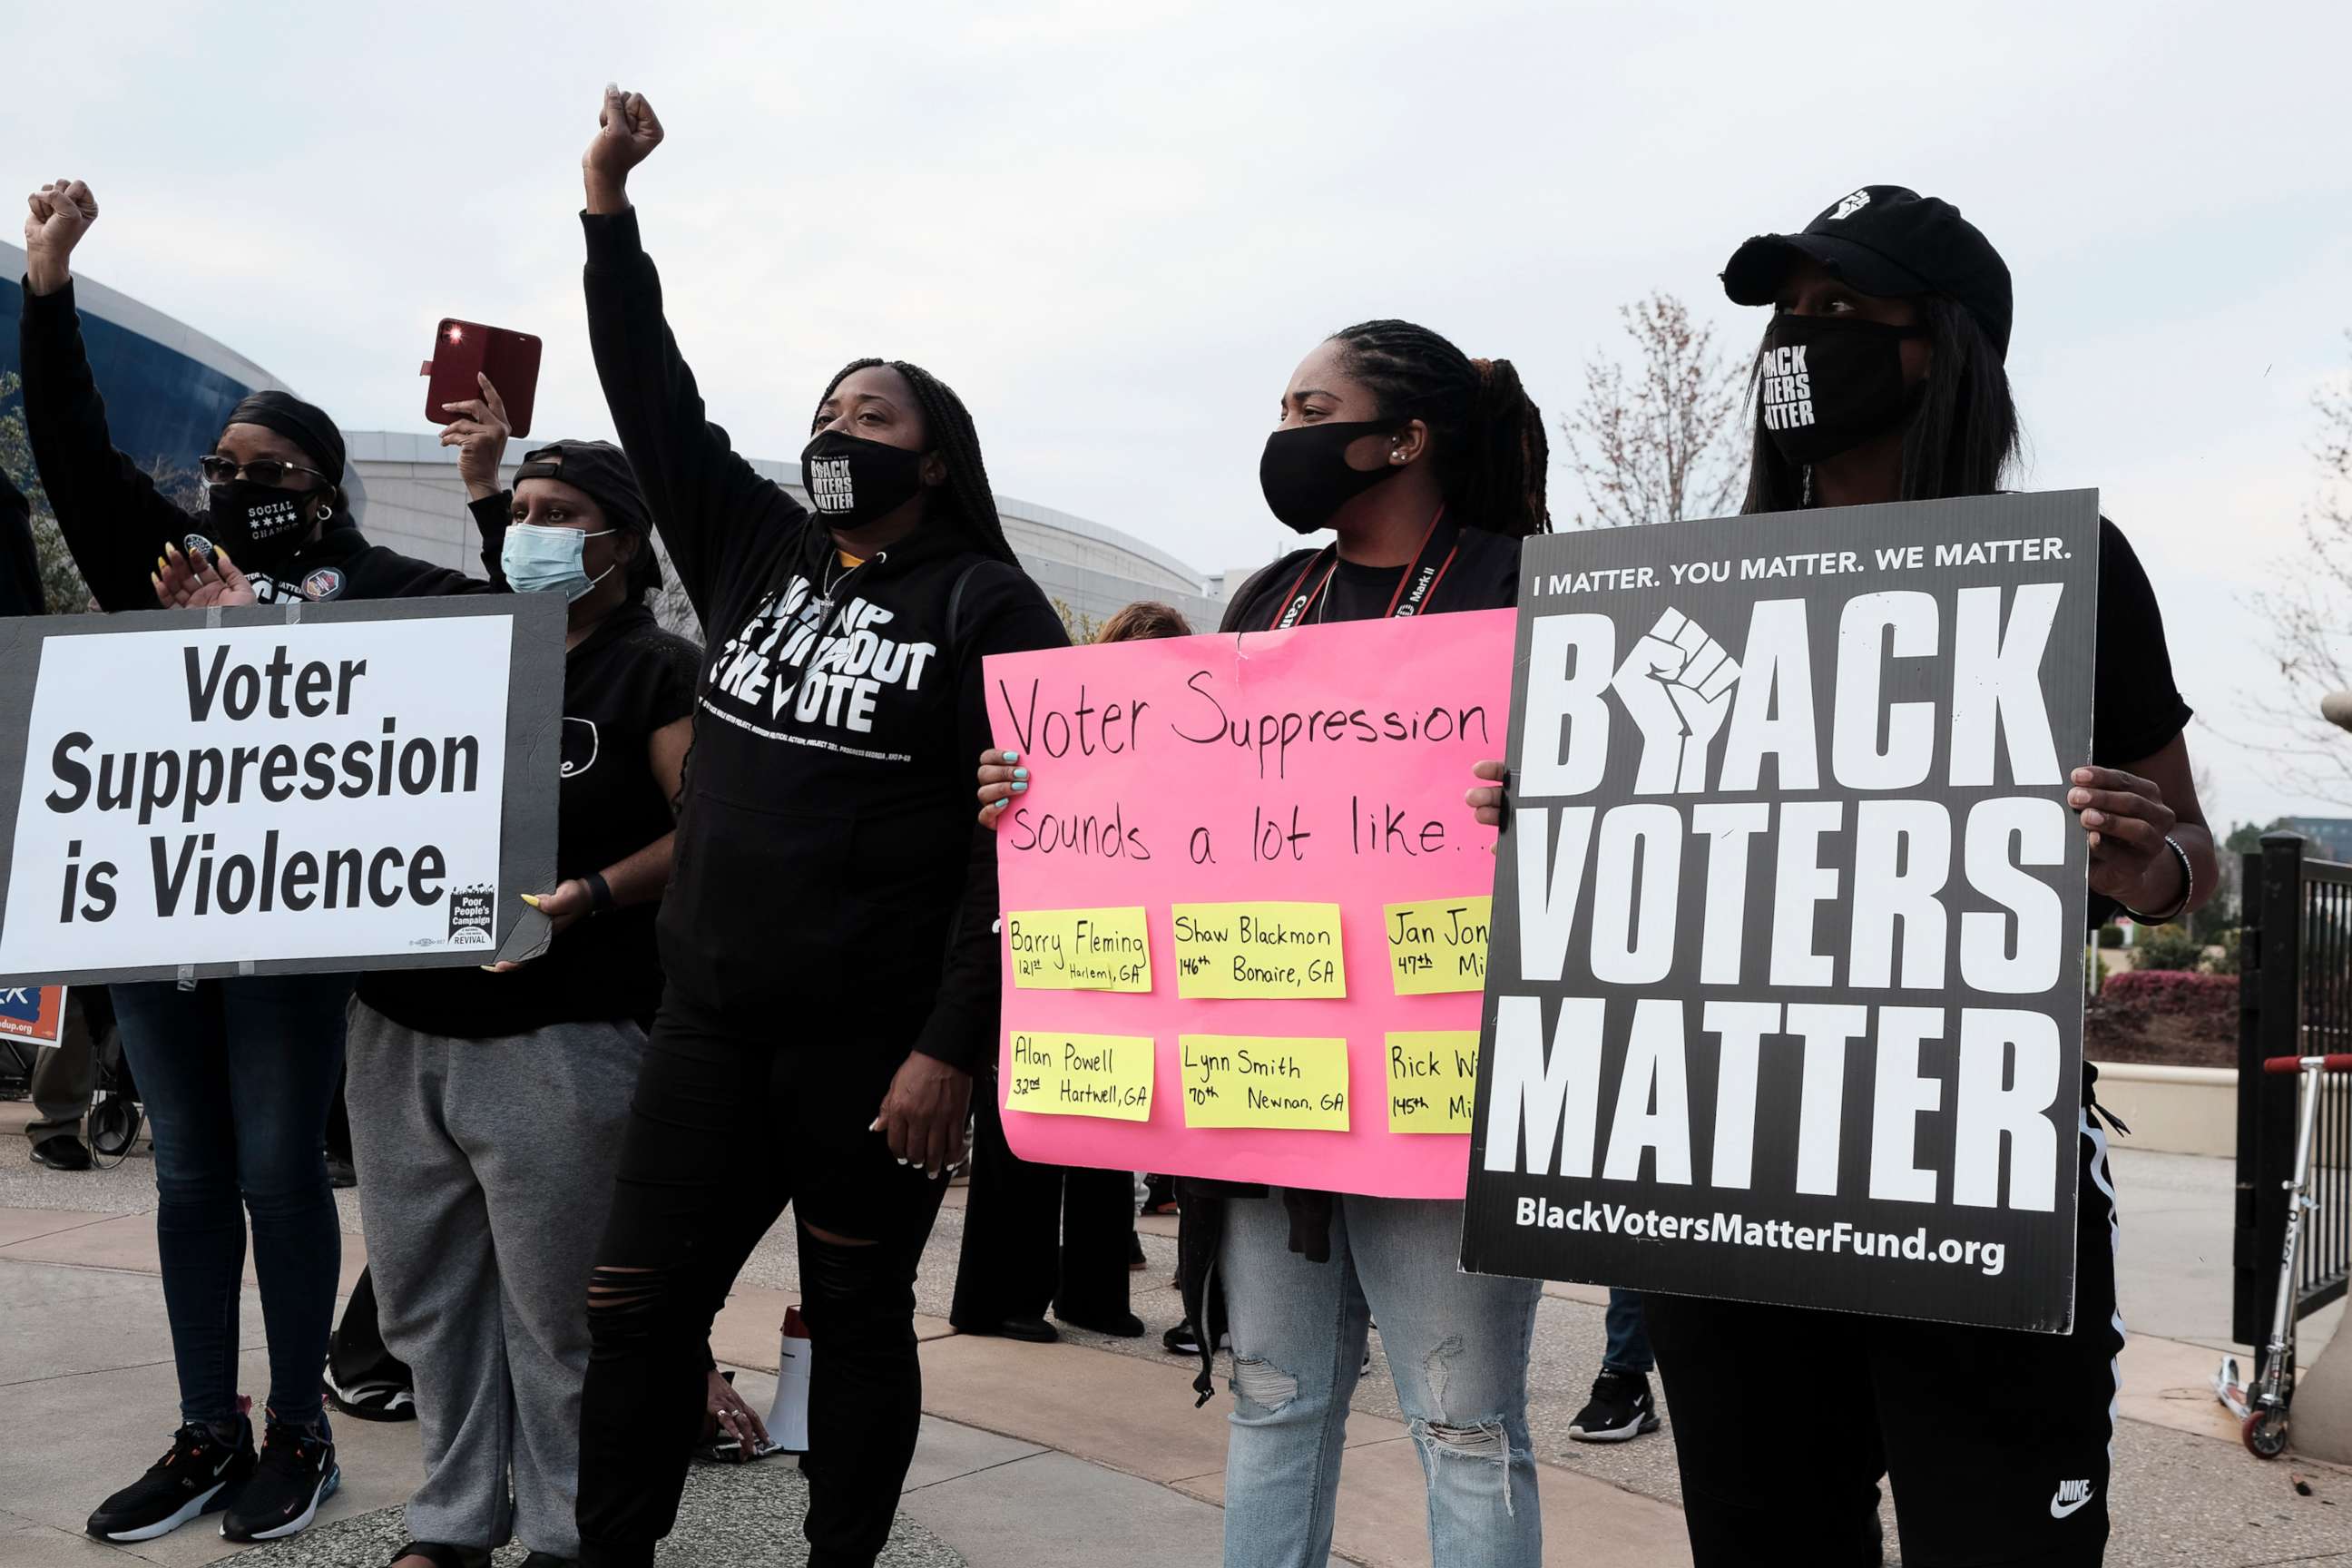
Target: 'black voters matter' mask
{"points": [[1831, 382], [1305, 472], [852, 481], [260, 525]]}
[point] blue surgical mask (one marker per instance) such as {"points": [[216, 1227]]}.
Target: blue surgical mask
{"points": [[541, 560]]}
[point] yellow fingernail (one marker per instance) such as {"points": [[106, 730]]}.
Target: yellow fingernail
{"points": [[224, 556], [530, 899]]}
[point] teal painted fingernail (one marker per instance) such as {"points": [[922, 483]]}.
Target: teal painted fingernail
{"points": [[1020, 773], [1011, 756], [1019, 788]]}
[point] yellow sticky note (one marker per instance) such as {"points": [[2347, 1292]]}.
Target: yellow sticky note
{"points": [[1438, 945], [1079, 949], [1080, 1075], [1244, 1080], [1266, 951], [1433, 1075]]}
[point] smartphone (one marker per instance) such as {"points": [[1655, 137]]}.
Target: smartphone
{"points": [[462, 350]]}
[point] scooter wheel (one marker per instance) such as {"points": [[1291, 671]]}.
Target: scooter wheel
{"points": [[2266, 1433]]}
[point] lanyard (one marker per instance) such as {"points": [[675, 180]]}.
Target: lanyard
{"points": [[1437, 551]]}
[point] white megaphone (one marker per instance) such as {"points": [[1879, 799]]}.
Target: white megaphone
{"points": [[788, 1417]]}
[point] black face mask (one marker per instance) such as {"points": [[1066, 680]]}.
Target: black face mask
{"points": [[1305, 472], [851, 481], [1831, 383], [261, 526]]}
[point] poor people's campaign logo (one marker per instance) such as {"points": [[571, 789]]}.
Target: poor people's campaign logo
{"points": [[1784, 1000]]}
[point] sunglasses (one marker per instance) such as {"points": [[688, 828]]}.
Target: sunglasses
{"points": [[220, 470]]}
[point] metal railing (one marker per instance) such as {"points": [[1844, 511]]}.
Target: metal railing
{"points": [[2294, 998]]}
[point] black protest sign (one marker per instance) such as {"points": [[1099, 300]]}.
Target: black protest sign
{"points": [[278, 789], [1784, 1002]]}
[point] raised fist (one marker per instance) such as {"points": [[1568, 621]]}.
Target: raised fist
{"points": [[1676, 685], [626, 133], [60, 213]]}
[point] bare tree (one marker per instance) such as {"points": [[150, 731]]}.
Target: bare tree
{"points": [[2307, 610], [1659, 440]]}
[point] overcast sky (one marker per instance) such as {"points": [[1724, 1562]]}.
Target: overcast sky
{"points": [[1116, 226]]}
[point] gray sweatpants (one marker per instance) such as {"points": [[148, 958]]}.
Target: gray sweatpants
{"points": [[485, 1168]]}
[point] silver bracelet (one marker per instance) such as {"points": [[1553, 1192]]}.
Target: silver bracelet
{"points": [[2187, 888]]}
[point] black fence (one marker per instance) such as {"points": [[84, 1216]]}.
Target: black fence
{"points": [[2294, 998]]}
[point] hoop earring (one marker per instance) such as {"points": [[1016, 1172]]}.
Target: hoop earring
{"points": [[326, 512]]}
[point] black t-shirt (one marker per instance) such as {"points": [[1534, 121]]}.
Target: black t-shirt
{"points": [[628, 680], [2136, 709], [1485, 575]]}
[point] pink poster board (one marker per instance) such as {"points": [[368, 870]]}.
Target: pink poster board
{"points": [[1322, 767]]}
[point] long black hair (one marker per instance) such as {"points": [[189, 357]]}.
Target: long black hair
{"points": [[971, 505], [1491, 451], [1962, 433]]}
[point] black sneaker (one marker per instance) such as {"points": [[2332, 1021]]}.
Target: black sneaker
{"points": [[1620, 1408], [295, 1473], [1182, 1340], [199, 1476]]}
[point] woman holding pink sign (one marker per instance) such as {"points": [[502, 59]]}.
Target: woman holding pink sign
{"points": [[1428, 467]]}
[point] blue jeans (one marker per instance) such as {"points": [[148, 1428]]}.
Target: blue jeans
{"points": [[237, 1075], [1457, 1346], [1628, 1349]]}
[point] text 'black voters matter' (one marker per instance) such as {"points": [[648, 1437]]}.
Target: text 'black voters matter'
{"points": [[1784, 1002]]}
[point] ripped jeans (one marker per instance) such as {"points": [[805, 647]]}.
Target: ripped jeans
{"points": [[1457, 1346]]}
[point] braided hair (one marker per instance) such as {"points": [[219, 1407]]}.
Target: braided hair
{"points": [[1491, 452], [970, 504]]}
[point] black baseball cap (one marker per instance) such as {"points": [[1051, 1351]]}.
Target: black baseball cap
{"points": [[1883, 240]]}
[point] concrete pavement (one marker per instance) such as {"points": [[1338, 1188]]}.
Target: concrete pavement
{"points": [[1088, 1451]]}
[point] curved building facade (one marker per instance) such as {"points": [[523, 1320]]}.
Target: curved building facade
{"points": [[417, 506], [168, 387]]}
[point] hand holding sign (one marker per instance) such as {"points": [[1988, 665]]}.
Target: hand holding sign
{"points": [[2128, 822], [184, 582]]}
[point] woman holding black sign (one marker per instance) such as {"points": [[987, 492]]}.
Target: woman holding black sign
{"points": [[237, 1075], [832, 972], [1881, 378], [1428, 467]]}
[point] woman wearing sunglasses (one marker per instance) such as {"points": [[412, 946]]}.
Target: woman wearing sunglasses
{"points": [[236, 1074]]}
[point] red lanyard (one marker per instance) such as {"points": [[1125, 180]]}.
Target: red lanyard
{"points": [[1438, 548]]}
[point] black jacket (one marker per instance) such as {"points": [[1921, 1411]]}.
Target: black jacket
{"points": [[832, 890], [20, 563], [117, 523]]}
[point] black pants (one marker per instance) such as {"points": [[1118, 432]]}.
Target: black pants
{"points": [[1034, 1234], [1996, 1442], [725, 1130]]}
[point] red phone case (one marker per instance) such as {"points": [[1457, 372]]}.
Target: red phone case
{"points": [[462, 350]]}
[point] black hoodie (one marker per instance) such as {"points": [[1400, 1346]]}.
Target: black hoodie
{"points": [[833, 890], [117, 523]]}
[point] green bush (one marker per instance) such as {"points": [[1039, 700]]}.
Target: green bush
{"points": [[2110, 935], [2167, 947], [2226, 960]]}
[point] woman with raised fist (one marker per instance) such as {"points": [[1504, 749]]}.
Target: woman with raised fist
{"points": [[237, 1075], [831, 973]]}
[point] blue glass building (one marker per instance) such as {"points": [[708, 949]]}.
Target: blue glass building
{"points": [[168, 387]]}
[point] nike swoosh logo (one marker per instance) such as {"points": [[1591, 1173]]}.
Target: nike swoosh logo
{"points": [[2061, 1509]]}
